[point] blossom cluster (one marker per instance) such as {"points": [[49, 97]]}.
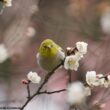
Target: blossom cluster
{"points": [[7, 3], [72, 61], [94, 79], [77, 93]]}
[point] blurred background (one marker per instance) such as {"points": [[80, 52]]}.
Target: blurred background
{"points": [[23, 27]]}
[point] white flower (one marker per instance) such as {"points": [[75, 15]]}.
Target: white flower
{"points": [[33, 77], [92, 79], [107, 82], [71, 62], [82, 47], [31, 32], [7, 3], [88, 91], [96, 80], [61, 53], [101, 79], [108, 77], [76, 93], [79, 55], [3, 53], [105, 21]]}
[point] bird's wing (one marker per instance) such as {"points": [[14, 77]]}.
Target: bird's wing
{"points": [[37, 56], [61, 53]]}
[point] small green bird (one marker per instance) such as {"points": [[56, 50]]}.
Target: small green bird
{"points": [[49, 55]]}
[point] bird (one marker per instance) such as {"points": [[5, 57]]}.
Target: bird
{"points": [[49, 55]]}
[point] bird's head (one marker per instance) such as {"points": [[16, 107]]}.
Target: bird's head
{"points": [[48, 48]]}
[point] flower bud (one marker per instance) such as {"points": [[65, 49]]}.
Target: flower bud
{"points": [[34, 77]]}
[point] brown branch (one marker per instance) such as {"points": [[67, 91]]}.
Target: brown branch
{"points": [[10, 108], [105, 76], [69, 73], [41, 86], [46, 92], [28, 90]]}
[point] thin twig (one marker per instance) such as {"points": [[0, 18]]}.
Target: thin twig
{"points": [[41, 86], [46, 92], [10, 108], [28, 90], [69, 73]]}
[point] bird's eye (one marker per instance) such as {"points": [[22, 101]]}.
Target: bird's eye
{"points": [[44, 46], [51, 46]]}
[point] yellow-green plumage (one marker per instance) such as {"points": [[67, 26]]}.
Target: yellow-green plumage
{"points": [[49, 55]]}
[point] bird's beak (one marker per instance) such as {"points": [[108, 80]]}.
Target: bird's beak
{"points": [[49, 46]]}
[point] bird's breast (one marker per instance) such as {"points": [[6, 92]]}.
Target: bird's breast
{"points": [[48, 63]]}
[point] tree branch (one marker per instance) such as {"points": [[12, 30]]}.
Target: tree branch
{"points": [[46, 92], [41, 86], [69, 73], [10, 108], [28, 90]]}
